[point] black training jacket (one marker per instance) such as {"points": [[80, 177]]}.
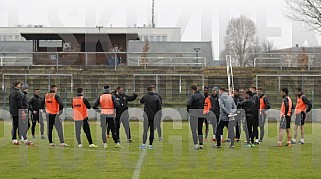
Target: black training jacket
{"points": [[15, 101], [123, 102], [152, 104], [248, 105], [35, 103]]}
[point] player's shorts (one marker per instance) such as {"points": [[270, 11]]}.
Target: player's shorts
{"points": [[285, 122], [300, 118]]}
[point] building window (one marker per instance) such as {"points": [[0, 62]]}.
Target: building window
{"points": [[151, 38], [158, 38]]}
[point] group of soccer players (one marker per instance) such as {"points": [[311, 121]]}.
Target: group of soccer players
{"points": [[113, 111], [228, 109], [220, 109]]}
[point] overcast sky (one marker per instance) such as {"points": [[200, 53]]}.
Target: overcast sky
{"points": [[199, 19]]}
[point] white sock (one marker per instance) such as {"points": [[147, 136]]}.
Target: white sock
{"points": [[257, 140], [214, 137], [294, 140], [221, 137], [196, 146]]}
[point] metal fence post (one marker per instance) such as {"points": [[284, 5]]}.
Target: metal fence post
{"points": [[64, 110], [96, 116], [71, 83], [4, 99], [156, 82], [173, 63], [134, 83], [49, 82], [57, 63], [86, 57], [312, 92], [116, 61], [279, 82]]}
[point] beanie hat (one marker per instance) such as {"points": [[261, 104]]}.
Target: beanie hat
{"points": [[215, 88], [107, 88], [25, 86]]}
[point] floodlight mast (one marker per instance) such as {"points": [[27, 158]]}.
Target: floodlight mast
{"points": [[230, 76], [153, 13]]}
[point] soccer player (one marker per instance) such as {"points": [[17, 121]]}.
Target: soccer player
{"points": [[215, 108], [264, 106], [158, 122], [286, 112], [122, 111], [108, 103], [237, 99], [249, 107], [206, 95], [227, 109], [152, 104], [34, 107], [24, 123], [303, 106], [54, 107], [80, 105], [195, 105], [256, 114], [15, 104]]}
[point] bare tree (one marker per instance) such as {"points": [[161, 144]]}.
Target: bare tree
{"points": [[240, 40], [307, 11], [268, 46], [144, 60]]}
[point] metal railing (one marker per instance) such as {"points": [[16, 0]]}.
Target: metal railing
{"points": [[170, 61], [46, 75], [157, 76], [58, 59], [12, 61], [307, 82], [282, 60]]}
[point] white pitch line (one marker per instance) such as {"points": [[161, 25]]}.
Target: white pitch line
{"points": [[139, 165]]}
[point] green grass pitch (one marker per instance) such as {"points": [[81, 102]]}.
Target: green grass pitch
{"points": [[172, 158]]}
